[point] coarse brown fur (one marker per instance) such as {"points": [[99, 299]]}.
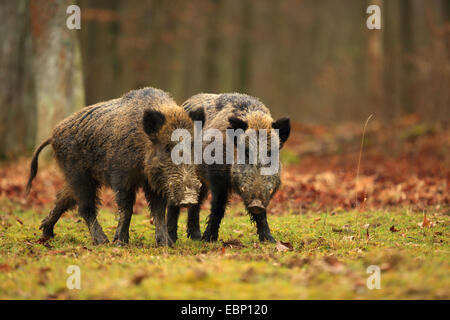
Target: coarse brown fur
{"points": [[235, 111], [125, 144]]}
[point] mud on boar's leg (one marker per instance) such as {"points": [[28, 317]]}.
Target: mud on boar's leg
{"points": [[219, 191], [173, 212], [262, 226], [86, 190], [193, 222], [125, 201], [64, 202], [158, 211]]}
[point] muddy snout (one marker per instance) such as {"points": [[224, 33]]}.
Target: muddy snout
{"points": [[256, 207], [187, 204], [189, 199]]}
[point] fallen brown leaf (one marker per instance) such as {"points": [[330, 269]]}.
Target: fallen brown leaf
{"points": [[5, 267], [393, 229], [284, 246], [233, 243]]}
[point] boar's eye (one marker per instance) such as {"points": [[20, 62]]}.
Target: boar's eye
{"points": [[168, 149]]}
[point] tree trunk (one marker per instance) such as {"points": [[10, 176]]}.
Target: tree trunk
{"points": [[244, 66], [211, 79], [16, 89], [407, 39], [375, 65], [57, 65]]}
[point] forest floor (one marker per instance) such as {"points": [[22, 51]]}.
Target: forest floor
{"points": [[319, 256], [332, 224]]}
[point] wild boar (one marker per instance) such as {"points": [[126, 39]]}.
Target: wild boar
{"points": [[233, 111], [125, 144]]}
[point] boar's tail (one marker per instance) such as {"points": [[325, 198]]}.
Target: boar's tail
{"points": [[34, 164]]}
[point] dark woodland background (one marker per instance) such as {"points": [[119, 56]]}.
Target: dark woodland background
{"points": [[312, 60]]}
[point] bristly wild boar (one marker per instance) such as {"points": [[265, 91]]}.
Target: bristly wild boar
{"points": [[234, 111], [125, 144]]}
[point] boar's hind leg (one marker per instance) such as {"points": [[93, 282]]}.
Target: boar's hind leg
{"points": [[158, 211], [85, 190], [125, 201], [262, 226], [64, 202], [173, 212]]}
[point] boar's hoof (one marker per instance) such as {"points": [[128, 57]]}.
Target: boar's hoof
{"points": [[208, 237], [121, 239], [173, 235], [163, 241], [266, 237], [47, 231], [47, 234], [100, 240], [120, 243], [194, 235]]}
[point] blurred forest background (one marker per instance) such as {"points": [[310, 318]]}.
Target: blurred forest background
{"points": [[315, 61]]}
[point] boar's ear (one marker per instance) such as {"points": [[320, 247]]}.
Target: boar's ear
{"points": [[197, 115], [284, 127], [236, 123], [153, 121]]}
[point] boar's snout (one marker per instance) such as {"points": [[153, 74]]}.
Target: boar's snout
{"points": [[189, 198], [256, 207], [186, 205]]}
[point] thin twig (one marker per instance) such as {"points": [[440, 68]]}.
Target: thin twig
{"points": [[360, 154], [357, 170]]}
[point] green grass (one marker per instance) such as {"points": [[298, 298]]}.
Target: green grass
{"points": [[329, 259]]}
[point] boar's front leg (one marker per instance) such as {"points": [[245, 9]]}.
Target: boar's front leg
{"points": [[173, 212], [158, 206], [64, 202], [193, 221], [219, 192], [125, 201], [262, 226]]}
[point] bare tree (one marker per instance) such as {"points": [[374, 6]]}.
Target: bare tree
{"points": [[16, 89], [375, 65], [57, 65]]}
